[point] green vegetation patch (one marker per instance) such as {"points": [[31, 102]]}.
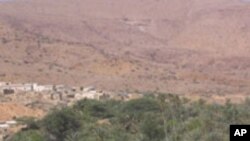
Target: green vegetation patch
{"points": [[152, 118]]}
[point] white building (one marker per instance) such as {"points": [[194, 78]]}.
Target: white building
{"points": [[88, 95], [11, 122], [17, 87], [41, 88], [4, 126], [88, 89]]}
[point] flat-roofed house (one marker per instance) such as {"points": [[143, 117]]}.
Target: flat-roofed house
{"points": [[11, 122], [27, 87], [19, 87], [41, 88], [88, 89], [4, 126], [7, 90]]}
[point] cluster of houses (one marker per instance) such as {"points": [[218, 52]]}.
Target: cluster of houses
{"points": [[9, 88], [62, 92], [28, 93], [53, 93], [56, 91]]}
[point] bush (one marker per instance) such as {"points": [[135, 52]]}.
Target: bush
{"points": [[61, 123], [31, 135]]}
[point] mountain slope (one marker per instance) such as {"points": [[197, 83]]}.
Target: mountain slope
{"points": [[192, 47]]}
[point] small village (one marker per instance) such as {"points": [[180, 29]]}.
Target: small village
{"points": [[43, 98]]}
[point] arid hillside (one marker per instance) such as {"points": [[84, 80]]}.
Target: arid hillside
{"points": [[194, 47]]}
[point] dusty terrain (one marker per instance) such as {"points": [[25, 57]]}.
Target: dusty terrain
{"points": [[13, 110], [194, 47]]}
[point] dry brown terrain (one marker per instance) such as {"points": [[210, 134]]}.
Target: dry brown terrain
{"points": [[13, 110], [191, 47]]}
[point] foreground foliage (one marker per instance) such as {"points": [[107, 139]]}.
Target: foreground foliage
{"points": [[162, 118]]}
